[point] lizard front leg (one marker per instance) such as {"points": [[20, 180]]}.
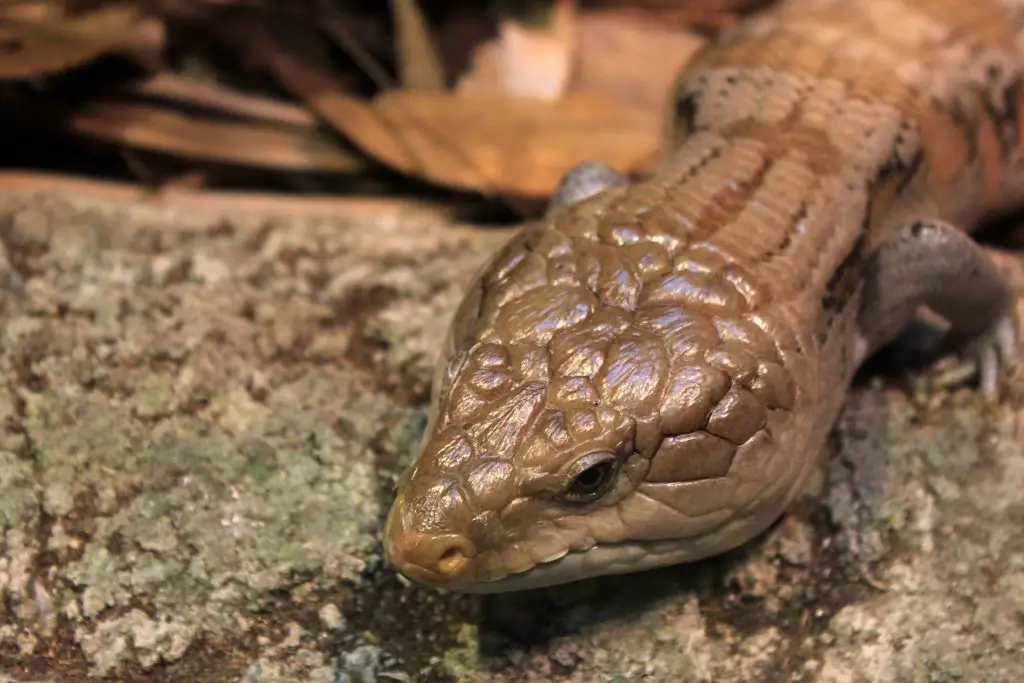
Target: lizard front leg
{"points": [[934, 264], [583, 181]]}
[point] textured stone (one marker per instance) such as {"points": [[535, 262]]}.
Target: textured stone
{"points": [[203, 416]]}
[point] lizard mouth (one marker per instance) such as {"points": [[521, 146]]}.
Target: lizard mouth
{"points": [[575, 565]]}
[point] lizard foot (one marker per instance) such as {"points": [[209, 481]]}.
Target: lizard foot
{"points": [[934, 265], [986, 358]]}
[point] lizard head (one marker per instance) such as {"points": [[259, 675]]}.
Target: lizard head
{"points": [[569, 438], [515, 473]]}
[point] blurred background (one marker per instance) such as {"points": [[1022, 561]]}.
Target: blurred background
{"points": [[448, 101]]}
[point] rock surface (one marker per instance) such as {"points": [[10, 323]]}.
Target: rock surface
{"points": [[202, 416]]}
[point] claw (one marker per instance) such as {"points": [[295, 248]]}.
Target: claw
{"points": [[986, 358]]}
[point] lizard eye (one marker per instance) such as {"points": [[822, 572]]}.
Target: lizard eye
{"points": [[590, 477]]}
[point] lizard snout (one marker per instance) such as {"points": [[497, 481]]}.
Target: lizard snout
{"points": [[432, 558]]}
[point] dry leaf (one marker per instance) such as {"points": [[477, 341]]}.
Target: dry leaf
{"points": [[525, 61], [339, 30], [631, 58], [515, 147], [223, 99], [419, 62], [710, 9], [33, 11], [491, 145], [53, 44], [236, 142], [238, 202]]}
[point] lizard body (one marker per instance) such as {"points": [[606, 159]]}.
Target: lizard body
{"points": [[647, 375]]}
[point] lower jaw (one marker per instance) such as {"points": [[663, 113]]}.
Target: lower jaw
{"points": [[602, 560], [624, 558], [633, 556]]}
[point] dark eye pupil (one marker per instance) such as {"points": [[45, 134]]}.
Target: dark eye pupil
{"points": [[592, 478]]}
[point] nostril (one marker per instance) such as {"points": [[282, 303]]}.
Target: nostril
{"points": [[452, 561], [442, 557]]}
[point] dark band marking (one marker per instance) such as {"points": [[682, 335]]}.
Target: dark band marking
{"points": [[844, 282], [687, 105]]}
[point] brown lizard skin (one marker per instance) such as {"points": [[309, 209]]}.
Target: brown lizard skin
{"points": [[648, 376]]}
